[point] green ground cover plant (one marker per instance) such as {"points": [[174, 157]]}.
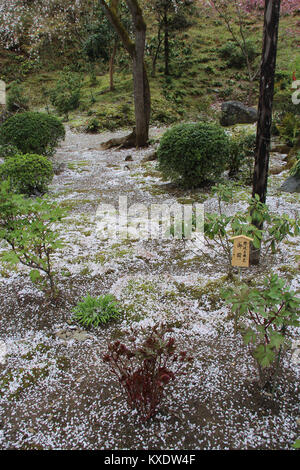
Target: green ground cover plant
{"points": [[95, 311]]}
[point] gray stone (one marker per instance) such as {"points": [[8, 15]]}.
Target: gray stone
{"points": [[291, 185], [234, 112]]}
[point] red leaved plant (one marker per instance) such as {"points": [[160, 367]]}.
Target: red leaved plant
{"points": [[146, 368]]}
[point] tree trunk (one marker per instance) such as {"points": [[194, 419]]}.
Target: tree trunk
{"points": [[263, 136], [167, 46], [154, 60], [136, 50], [111, 67]]}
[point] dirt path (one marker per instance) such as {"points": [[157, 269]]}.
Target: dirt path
{"points": [[55, 391]]}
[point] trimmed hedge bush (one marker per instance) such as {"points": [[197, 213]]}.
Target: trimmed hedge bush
{"points": [[8, 150], [193, 153], [242, 146], [16, 99], [32, 132], [28, 174]]}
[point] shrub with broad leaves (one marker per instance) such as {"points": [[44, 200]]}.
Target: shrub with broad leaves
{"points": [[28, 227], [146, 367], [264, 314]]}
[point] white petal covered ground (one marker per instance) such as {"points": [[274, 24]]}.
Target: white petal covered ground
{"points": [[55, 390]]}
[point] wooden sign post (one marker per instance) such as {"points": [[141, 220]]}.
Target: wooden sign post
{"points": [[241, 251]]}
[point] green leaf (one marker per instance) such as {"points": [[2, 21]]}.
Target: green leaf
{"points": [[34, 275], [296, 444]]}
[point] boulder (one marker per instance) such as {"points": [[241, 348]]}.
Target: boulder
{"points": [[234, 112], [291, 185]]}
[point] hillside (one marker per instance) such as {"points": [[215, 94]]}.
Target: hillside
{"points": [[200, 78]]}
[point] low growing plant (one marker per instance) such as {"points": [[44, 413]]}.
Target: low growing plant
{"points": [[28, 227], [27, 174], [220, 227], [67, 92], [242, 150], [146, 367], [264, 316], [95, 311], [295, 170], [7, 151], [193, 154], [32, 132], [16, 99]]}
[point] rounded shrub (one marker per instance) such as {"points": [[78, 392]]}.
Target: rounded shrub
{"points": [[28, 174], [16, 99], [32, 132], [193, 153], [242, 146], [8, 150], [234, 55]]}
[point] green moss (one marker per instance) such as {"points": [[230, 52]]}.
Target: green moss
{"points": [[203, 293]]}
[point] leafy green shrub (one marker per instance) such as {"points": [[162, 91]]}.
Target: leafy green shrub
{"points": [[234, 54], [27, 227], [66, 95], [220, 227], [193, 153], [92, 125], [263, 315], [7, 151], [94, 311], [295, 170], [242, 147], [16, 100], [32, 132], [289, 128], [28, 174]]}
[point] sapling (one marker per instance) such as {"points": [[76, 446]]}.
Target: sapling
{"points": [[220, 227], [27, 225], [264, 315]]}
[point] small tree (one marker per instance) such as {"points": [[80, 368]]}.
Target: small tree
{"points": [[102, 43], [66, 94], [234, 16], [264, 316], [168, 14], [28, 228]]}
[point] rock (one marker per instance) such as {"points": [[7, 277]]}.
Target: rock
{"points": [[72, 334], [128, 158], [234, 112], [151, 157], [291, 185]]}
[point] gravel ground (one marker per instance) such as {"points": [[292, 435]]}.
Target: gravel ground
{"points": [[55, 390]]}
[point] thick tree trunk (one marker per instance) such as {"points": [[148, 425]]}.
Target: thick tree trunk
{"points": [[136, 51], [142, 102], [263, 136]]}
